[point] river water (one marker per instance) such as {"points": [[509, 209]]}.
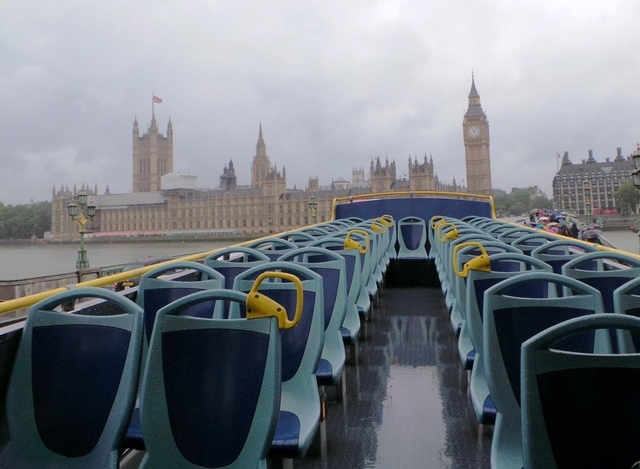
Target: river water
{"points": [[20, 261], [32, 260]]}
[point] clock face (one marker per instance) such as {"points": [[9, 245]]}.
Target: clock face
{"points": [[473, 132]]}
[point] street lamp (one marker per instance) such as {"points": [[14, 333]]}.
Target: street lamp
{"points": [[80, 212], [313, 206]]}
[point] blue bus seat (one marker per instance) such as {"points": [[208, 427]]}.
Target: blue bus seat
{"points": [[382, 228], [448, 279], [375, 277], [464, 250], [580, 409], [459, 257], [604, 271], [444, 233], [155, 292], [626, 300], [485, 223], [393, 236], [412, 237], [231, 262], [529, 242], [512, 314], [351, 324], [273, 247], [301, 350], [355, 239], [558, 253], [331, 267], [502, 266], [299, 238], [321, 230], [211, 388], [497, 229], [73, 384], [515, 233]]}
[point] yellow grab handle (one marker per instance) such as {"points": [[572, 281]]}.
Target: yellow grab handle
{"points": [[478, 263], [435, 220], [378, 225], [453, 234], [353, 244], [387, 220], [260, 306]]}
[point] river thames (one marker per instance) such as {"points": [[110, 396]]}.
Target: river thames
{"points": [[20, 261]]}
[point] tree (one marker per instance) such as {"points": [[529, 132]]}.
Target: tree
{"points": [[627, 197], [24, 221]]}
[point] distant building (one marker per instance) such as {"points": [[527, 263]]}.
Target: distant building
{"points": [[152, 156], [166, 203], [598, 180]]}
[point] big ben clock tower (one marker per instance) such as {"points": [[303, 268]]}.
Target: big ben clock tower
{"points": [[476, 145]]}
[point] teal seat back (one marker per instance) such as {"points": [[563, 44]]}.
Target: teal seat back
{"points": [[529, 242], [559, 252], [353, 269], [319, 231], [211, 387], [231, 262], [299, 238], [498, 228], [503, 266], [329, 265], [301, 350], [580, 410], [515, 233], [155, 292], [513, 313], [626, 300], [366, 275], [604, 271], [301, 345], [412, 237], [73, 384], [273, 247]]}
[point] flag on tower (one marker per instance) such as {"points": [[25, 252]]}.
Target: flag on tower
{"points": [[157, 100]]}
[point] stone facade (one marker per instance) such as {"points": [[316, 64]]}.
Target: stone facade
{"points": [[598, 181], [164, 203]]}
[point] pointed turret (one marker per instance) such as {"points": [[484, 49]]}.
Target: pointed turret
{"points": [[473, 94]]}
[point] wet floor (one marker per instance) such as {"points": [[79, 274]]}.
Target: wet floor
{"points": [[407, 404]]}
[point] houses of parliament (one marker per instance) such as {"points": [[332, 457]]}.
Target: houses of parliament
{"points": [[164, 203]]}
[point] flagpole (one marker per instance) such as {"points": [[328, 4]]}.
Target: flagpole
{"points": [[153, 112]]}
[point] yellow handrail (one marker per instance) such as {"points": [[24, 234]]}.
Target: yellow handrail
{"points": [[260, 306]]}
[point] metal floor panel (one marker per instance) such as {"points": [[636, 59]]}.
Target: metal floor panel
{"points": [[407, 404]]}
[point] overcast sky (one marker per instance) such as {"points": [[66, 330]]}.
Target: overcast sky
{"points": [[334, 83]]}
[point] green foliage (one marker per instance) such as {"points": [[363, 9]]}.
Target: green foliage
{"points": [[518, 202], [24, 221], [627, 197]]}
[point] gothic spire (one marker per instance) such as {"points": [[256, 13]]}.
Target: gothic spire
{"points": [[261, 147], [474, 92]]}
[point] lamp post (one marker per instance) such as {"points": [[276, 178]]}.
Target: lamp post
{"points": [[313, 206], [635, 174], [80, 213]]}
